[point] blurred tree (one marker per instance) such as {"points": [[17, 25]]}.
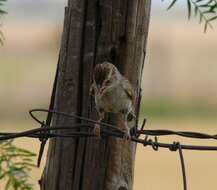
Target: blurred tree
{"points": [[205, 10]]}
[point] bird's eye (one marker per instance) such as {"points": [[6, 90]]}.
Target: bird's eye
{"points": [[108, 82]]}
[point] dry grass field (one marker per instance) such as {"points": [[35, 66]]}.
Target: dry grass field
{"points": [[157, 170], [162, 169]]}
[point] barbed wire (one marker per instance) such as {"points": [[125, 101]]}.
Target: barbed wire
{"points": [[141, 135]]}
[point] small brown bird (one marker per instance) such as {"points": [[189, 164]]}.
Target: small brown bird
{"points": [[113, 93]]}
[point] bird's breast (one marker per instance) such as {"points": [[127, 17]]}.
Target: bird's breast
{"points": [[113, 100]]}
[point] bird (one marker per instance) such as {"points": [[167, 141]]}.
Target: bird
{"points": [[113, 93]]}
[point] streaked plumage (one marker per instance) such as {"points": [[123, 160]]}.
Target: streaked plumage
{"points": [[113, 93]]}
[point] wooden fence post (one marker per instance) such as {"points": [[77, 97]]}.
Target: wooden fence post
{"points": [[95, 31]]}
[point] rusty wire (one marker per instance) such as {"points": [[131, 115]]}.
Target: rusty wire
{"points": [[141, 135]]}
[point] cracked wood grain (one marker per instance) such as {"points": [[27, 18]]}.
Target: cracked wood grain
{"points": [[92, 164]]}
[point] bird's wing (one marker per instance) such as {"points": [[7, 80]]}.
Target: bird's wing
{"points": [[128, 89], [92, 90]]}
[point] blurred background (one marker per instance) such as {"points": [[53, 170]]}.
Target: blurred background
{"points": [[179, 85]]}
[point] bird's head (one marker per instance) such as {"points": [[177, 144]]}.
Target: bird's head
{"points": [[106, 75]]}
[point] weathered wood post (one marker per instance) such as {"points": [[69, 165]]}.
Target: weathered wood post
{"points": [[95, 31]]}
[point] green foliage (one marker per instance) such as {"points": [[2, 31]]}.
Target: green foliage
{"points": [[2, 12], [1, 4], [15, 164], [205, 10], [168, 109]]}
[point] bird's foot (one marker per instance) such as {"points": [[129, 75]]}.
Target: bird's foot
{"points": [[97, 130]]}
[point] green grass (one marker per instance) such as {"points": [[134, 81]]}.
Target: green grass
{"points": [[156, 108]]}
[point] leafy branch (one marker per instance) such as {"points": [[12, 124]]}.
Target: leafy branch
{"points": [[205, 10], [15, 164], [2, 12]]}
